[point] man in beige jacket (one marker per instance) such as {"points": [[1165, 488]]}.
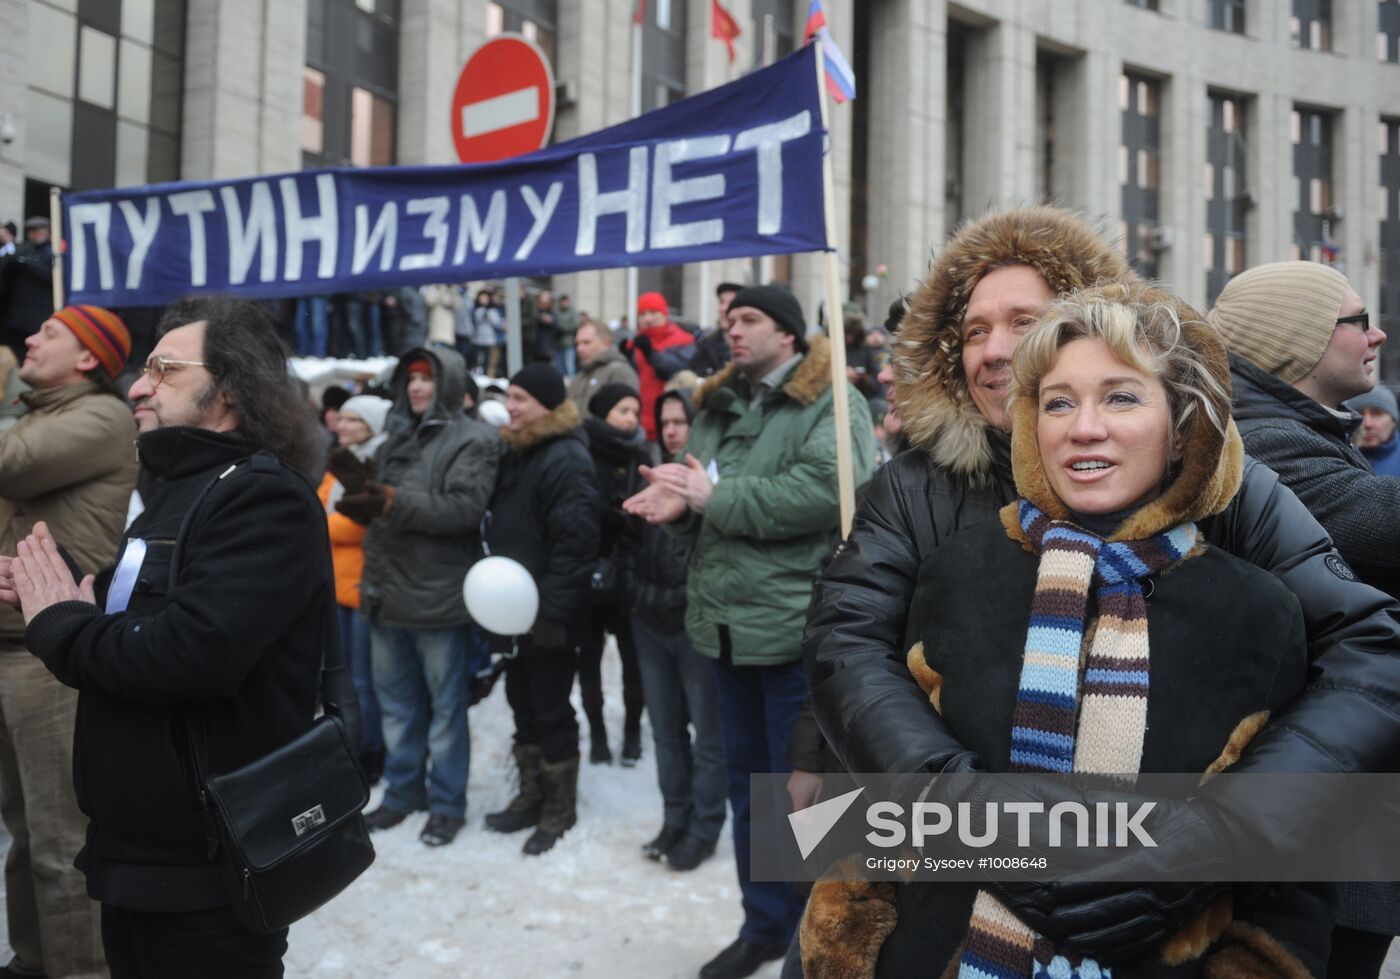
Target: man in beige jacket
{"points": [[69, 461]]}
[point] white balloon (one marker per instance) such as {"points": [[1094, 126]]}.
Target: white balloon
{"points": [[501, 596]]}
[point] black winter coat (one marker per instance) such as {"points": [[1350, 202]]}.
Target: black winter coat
{"points": [[1207, 603], [545, 513], [656, 561], [616, 456], [26, 289], [1310, 449], [877, 720], [236, 644]]}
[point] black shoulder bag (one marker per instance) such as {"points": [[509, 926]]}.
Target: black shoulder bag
{"points": [[287, 830]]}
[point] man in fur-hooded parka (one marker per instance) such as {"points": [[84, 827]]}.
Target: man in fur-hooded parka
{"points": [[958, 474]]}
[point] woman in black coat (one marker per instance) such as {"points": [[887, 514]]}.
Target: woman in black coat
{"points": [[618, 446], [1121, 441]]}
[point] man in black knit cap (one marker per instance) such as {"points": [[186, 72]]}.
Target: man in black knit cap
{"points": [[545, 514]]}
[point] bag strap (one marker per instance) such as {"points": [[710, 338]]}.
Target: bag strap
{"points": [[338, 697]]}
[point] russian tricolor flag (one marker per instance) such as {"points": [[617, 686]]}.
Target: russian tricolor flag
{"points": [[840, 80]]}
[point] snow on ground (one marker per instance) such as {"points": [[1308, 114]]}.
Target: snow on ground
{"points": [[591, 907]]}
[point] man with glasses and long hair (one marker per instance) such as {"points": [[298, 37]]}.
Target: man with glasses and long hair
{"points": [[223, 640], [1301, 343]]}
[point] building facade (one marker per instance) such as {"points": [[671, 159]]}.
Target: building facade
{"points": [[1206, 135]]}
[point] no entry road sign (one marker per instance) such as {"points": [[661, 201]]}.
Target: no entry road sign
{"points": [[503, 105]]}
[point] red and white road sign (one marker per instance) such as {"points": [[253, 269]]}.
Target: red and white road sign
{"points": [[503, 105]]}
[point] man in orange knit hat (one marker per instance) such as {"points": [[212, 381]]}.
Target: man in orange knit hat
{"points": [[69, 461]]}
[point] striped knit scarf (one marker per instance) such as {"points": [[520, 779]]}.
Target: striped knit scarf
{"points": [[1112, 719]]}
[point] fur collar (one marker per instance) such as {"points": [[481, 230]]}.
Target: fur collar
{"points": [[805, 385], [1209, 474], [560, 421], [937, 409]]}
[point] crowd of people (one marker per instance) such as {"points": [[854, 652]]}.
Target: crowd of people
{"points": [[1037, 435]]}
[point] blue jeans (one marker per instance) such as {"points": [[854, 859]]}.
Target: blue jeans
{"points": [[312, 327], [354, 646], [679, 686], [567, 357], [758, 707], [421, 677]]}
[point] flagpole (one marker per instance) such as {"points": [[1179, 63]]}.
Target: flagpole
{"points": [[56, 243], [836, 321], [704, 317], [632, 283]]}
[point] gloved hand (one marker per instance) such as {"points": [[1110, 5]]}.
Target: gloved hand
{"points": [[375, 501], [349, 469], [549, 635], [1115, 921], [642, 344]]}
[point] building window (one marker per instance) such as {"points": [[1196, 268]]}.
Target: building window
{"points": [[1388, 30], [350, 83], [1311, 24], [1315, 234], [1390, 242], [1226, 15], [1226, 196], [663, 82], [774, 30], [1139, 169], [1144, 4], [105, 93], [537, 20]]}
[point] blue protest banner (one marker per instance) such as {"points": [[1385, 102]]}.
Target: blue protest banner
{"points": [[732, 172]]}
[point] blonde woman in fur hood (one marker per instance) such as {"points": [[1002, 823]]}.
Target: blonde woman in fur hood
{"points": [[988, 287]]}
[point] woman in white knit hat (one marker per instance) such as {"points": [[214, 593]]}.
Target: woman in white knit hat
{"points": [[360, 428]]}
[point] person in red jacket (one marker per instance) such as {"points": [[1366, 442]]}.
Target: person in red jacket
{"points": [[655, 333]]}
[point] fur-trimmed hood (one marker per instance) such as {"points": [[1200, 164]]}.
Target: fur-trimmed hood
{"points": [[1212, 463], [808, 382], [934, 403], [563, 420]]}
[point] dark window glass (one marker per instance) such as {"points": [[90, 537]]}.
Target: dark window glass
{"points": [[1389, 312], [1140, 98], [1311, 24], [94, 145], [1226, 196], [350, 87], [1388, 31], [1226, 15], [1144, 4], [775, 31], [663, 82], [1315, 231]]}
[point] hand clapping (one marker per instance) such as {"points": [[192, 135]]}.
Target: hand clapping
{"points": [[37, 576]]}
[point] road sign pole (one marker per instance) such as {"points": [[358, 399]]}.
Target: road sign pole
{"points": [[514, 346]]}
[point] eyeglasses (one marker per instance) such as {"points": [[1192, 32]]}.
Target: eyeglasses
{"points": [[157, 367], [1362, 321]]}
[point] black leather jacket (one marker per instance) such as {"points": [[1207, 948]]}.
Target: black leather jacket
{"points": [[877, 720]]}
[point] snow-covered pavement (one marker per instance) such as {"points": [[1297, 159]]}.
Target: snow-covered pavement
{"points": [[592, 906]]}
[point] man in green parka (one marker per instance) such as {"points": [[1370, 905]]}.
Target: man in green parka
{"points": [[757, 498]]}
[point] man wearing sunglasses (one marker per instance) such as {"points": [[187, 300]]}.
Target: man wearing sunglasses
{"points": [[1301, 343], [222, 643]]}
